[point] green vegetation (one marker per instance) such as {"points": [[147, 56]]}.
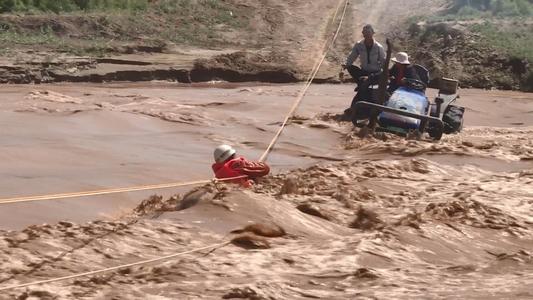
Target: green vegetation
{"points": [[507, 23], [488, 37], [100, 26], [198, 22], [514, 39], [65, 6], [62, 6], [465, 8], [70, 5], [11, 40]]}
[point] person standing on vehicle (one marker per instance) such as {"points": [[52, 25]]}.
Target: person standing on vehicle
{"points": [[371, 55], [228, 165], [401, 70]]}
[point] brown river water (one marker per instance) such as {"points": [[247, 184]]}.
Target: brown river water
{"points": [[386, 218]]}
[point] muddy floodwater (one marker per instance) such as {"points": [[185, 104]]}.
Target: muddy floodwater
{"points": [[374, 218]]}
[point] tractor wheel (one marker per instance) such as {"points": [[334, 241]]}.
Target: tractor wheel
{"points": [[453, 119], [359, 116], [435, 133]]}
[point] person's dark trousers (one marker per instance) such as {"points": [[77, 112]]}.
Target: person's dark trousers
{"points": [[356, 73]]}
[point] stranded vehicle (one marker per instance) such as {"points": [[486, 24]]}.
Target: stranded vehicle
{"points": [[408, 110]]}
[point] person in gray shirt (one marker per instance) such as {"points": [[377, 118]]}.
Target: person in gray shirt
{"points": [[371, 55]]}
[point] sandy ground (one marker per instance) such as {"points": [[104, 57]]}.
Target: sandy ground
{"points": [[365, 219]]}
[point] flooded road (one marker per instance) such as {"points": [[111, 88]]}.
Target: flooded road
{"points": [[398, 218]]}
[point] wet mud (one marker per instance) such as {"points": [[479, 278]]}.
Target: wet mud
{"points": [[235, 67]]}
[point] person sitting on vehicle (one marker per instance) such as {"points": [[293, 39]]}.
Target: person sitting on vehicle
{"points": [[401, 70], [371, 55], [228, 165]]}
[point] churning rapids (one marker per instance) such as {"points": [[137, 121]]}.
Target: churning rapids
{"points": [[344, 218]]}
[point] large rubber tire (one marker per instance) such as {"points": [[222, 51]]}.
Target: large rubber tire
{"points": [[435, 133], [358, 115], [453, 119]]}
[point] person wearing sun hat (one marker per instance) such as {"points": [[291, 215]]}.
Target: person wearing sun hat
{"points": [[401, 70]]}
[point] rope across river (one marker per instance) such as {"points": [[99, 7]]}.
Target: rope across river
{"points": [[96, 272], [325, 50], [113, 191]]}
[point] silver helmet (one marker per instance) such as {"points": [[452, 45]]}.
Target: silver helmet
{"points": [[223, 152]]}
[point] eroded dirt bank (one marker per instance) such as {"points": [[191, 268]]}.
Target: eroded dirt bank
{"points": [[271, 41], [278, 41], [375, 218], [454, 49]]}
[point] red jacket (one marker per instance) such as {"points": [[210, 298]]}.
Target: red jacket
{"points": [[239, 166]]}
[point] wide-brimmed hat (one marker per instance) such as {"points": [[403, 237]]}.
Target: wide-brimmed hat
{"points": [[401, 58]]}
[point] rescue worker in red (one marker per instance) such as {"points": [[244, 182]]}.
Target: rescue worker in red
{"points": [[228, 165]]}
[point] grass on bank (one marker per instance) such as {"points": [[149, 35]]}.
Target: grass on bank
{"points": [[504, 26], [498, 8], [58, 6], [49, 23], [516, 39], [179, 7], [10, 41], [463, 10]]}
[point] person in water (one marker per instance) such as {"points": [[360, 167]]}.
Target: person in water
{"points": [[228, 165]]}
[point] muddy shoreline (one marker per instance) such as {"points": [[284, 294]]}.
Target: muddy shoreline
{"points": [[235, 67], [240, 66]]}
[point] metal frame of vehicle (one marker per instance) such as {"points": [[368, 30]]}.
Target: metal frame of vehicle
{"points": [[423, 118]]}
